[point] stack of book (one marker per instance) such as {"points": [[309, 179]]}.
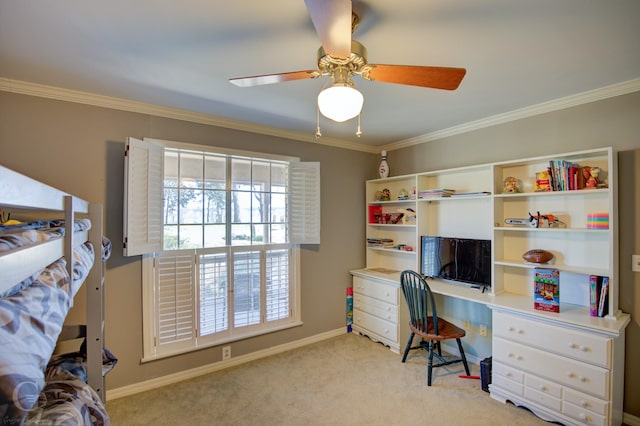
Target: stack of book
{"points": [[380, 242], [599, 295], [436, 193]]}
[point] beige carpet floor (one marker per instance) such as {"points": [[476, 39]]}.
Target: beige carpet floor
{"points": [[346, 380]]}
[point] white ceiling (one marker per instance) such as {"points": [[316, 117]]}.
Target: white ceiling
{"points": [[180, 54]]}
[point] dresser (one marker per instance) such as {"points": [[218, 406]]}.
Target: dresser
{"points": [[559, 370], [378, 311]]}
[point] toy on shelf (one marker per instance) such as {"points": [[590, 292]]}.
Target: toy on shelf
{"points": [[511, 185], [536, 221]]}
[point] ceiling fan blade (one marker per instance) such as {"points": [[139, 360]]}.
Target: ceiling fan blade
{"points": [[332, 21], [433, 77], [259, 80]]}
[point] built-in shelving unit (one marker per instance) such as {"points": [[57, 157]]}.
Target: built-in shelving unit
{"points": [[478, 210]]}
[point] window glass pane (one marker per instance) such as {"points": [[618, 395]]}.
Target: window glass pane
{"points": [[190, 236], [171, 169], [215, 172], [214, 235], [191, 201], [259, 234], [191, 170], [240, 235], [277, 284], [278, 233], [261, 176], [279, 177], [240, 174], [241, 207], [170, 206], [259, 211], [278, 208], [246, 288], [214, 294], [171, 237], [215, 206]]}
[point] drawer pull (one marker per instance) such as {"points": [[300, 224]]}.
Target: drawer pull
{"points": [[584, 417], [585, 404], [571, 375], [509, 374], [579, 347], [510, 355], [583, 379], [512, 329], [542, 388]]}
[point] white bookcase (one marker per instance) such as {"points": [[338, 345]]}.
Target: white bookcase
{"points": [[587, 388]]}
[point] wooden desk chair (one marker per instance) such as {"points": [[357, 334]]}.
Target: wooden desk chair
{"points": [[426, 324]]}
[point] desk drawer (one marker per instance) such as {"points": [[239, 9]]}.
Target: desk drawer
{"points": [[382, 328], [584, 377], [584, 416], [586, 402], [384, 292], [507, 371], [571, 343], [376, 307], [509, 385]]}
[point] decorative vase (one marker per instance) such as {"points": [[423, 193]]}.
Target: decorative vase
{"points": [[383, 169]]}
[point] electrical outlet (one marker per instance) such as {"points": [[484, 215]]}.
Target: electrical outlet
{"points": [[466, 325], [635, 263], [226, 352], [483, 330]]}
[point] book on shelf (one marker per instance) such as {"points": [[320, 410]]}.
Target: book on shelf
{"points": [[603, 303], [380, 242], [595, 284], [435, 193], [470, 194], [546, 296], [598, 295]]}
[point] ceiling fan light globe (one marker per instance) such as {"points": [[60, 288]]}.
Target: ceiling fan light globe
{"points": [[340, 103]]}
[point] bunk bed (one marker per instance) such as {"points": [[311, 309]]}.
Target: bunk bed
{"points": [[38, 283]]}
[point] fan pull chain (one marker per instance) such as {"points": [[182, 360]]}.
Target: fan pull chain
{"points": [[318, 134], [359, 132]]}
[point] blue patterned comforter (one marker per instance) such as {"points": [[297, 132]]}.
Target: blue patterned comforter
{"points": [[31, 318]]}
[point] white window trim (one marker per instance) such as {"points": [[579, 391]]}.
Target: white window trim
{"points": [[309, 186]]}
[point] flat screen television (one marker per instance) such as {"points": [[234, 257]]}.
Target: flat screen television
{"points": [[458, 259]]}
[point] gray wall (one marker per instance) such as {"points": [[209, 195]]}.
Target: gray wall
{"points": [[612, 122], [79, 149], [57, 142]]}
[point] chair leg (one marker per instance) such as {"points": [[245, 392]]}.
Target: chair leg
{"points": [[430, 363], [406, 348], [464, 358]]}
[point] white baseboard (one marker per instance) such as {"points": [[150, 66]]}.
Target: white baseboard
{"points": [[217, 366], [630, 420]]}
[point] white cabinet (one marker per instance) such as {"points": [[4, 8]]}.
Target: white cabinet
{"points": [[377, 311], [559, 371], [566, 366]]}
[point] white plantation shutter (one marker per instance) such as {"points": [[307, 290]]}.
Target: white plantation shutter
{"points": [[143, 177], [304, 203], [175, 302], [277, 288]]}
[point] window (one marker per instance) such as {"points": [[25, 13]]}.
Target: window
{"points": [[220, 253]]}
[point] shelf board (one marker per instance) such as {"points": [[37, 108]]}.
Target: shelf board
{"points": [[570, 313], [545, 230], [576, 192], [396, 225], [562, 268], [392, 250], [376, 203]]}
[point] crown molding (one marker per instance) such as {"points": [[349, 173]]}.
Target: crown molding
{"points": [[58, 93], [542, 108], [34, 89]]}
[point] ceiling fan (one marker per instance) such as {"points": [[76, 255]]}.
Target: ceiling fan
{"points": [[342, 58]]}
